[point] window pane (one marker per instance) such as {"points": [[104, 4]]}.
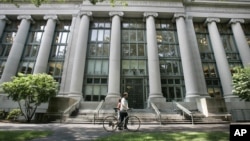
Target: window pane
{"points": [[141, 50], [105, 67], [93, 35], [98, 66], [125, 35], [91, 66], [100, 35]]}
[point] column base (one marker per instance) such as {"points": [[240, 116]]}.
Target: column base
{"points": [[232, 98], [191, 97], [112, 97]]}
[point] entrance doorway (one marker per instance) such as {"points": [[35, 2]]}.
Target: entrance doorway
{"points": [[135, 90]]}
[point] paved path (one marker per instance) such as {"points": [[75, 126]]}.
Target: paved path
{"points": [[88, 132]]}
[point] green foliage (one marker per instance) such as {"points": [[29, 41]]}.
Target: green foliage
{"points": [[23, 135], [241, 83], [2, 114], [14, 114], [30, 91]]}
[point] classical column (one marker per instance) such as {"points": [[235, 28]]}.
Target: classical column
{"points": [[221, 58], [16, 51], [241, 41], [45, 47], [80, 55], [155, 93], [186, 59], [3, 21], [115, 57]]}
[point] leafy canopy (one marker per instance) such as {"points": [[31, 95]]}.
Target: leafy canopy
{"points": [[241, 83], [30, 91]]}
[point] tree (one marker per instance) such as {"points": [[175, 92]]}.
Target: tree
{"points": [[241, 83], [37, 3], [30, 91]]}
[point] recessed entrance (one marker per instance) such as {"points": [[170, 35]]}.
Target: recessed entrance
{"points": [[135, 90]]}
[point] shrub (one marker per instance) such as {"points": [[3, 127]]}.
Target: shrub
{"points": [[14, 114]]}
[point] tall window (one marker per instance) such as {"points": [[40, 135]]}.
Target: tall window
{"points": [[97, 63], [208, 61], [133, 48], [6, 42], [230, 47], [170, 62], [32, 47], [58, 50]]}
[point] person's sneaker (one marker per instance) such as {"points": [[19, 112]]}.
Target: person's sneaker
{"points": [[119, 128], [125, 127]]}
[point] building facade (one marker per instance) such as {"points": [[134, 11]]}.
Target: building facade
{"points": [[156, 50]]}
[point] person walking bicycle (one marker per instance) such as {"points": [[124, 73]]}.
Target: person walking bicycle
{"points": [[123, 111]]}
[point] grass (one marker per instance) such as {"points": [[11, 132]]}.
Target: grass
{"points": [[22, 135], [167, 136]]}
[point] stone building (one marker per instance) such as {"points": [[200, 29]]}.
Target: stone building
{"points": [[158, 51]]}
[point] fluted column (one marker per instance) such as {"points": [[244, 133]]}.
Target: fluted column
{"points": [[155, 93], [221, 58], [16, 51], [80, 55], [45, 47], [115, 57], [3, 21], [186, 59], [240, 39]]}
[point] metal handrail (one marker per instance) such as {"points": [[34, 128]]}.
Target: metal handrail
{"points": [[185, 110], [158, 113], [97, 110]]}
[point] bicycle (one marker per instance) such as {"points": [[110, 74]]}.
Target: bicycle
{"points": [[110, 123]]}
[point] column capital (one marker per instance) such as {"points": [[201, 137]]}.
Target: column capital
{"points": [[233, 21], [87, 13], [27, 17], [120, 14], [209, 20], [179, 15], [53, 17], [3, 17], [147, 14]]}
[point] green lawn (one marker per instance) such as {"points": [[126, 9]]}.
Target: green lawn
{"points": [[22, 135], [167, 136]]}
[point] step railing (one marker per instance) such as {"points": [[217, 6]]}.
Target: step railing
{"points": [[66, 113], [158, 113], [97, 110], [185, 111]]}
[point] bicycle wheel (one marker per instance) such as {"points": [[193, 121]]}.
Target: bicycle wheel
{"points": [[134, 123], [110, 123]]}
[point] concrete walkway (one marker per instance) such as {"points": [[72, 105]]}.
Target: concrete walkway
{"points": [[88, 132]]}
